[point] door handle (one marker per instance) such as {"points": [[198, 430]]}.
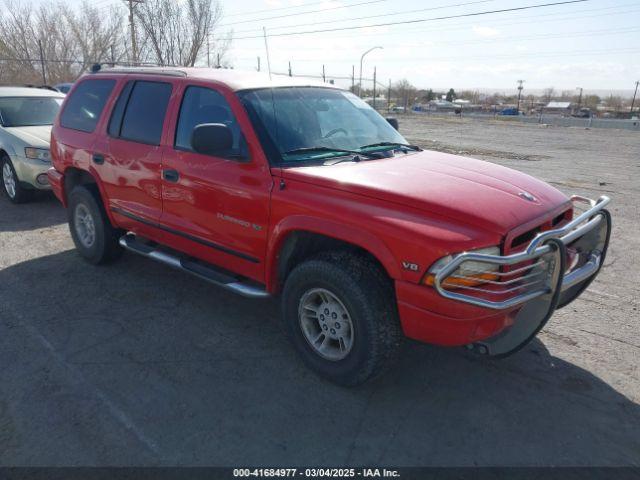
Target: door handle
{"points": [[171, 175], [98, 158]]}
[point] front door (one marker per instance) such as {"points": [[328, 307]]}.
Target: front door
{"points": [[216, 207]]}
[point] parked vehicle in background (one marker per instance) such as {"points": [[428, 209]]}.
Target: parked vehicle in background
{"points": [[582, 113], [509, 111], [268, 186], [26, 116], [63, 87]]}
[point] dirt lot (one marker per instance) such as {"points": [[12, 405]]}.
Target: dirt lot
{"points": [[138, 364]]}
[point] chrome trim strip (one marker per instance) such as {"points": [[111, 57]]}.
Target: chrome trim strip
{"points": [[536, 248]]}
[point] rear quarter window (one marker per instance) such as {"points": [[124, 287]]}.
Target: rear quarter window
{"points": [[84, 107], [145, 111]]}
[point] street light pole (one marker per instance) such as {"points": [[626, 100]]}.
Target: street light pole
{"points": [[361, 59]]}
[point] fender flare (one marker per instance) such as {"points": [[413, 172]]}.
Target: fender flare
{"points": [[98, 181], [329, 228]]}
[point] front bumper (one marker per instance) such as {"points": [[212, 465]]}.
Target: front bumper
{"points": [[552, 271], [31, 173]]}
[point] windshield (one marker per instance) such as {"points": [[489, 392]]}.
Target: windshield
{"points": [[324, 121], [28, 111]]}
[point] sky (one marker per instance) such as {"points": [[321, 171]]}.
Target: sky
{"points": [[594, 44]]}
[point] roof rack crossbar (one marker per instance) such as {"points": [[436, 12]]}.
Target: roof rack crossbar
{"points": [[97, 68]]}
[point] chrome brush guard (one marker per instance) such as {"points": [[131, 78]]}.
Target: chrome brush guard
{"points": [[551, 272], [538, 277]]}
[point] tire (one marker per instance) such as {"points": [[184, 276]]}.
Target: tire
{"points": [[93, 235], [361, 288], [15, 192]]}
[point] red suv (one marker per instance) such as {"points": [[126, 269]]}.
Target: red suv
{"points": [[268, 186]]}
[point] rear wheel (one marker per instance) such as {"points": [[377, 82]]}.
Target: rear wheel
{"points": [[340, 313], [94, 236], [11, 184]]}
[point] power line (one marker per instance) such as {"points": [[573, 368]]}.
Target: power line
{"points": [[421, 20], [406, 12], [504, 56], [504, 23], [303, 13], [277, 9], [602, 32], [499, 23]]}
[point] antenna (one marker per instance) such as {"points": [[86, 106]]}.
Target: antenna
{"points": [[266, 46]]}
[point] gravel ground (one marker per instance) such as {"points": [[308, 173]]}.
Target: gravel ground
{"points": [[137, 364]]}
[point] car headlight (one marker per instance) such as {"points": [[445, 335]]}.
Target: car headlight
{"points": [[38, 154], [469, 273]]}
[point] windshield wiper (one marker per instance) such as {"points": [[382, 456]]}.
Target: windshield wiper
{"points": [[328, 150], [393, 144]]}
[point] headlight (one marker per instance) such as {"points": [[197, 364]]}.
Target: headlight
{"points": [[37, 154], [467, 274]]}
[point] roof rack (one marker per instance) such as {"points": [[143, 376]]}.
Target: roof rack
{"points": [[156, 70]]}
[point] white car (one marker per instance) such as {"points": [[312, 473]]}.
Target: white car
{"points": [[26, 116]]}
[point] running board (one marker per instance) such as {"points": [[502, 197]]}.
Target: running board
{"points": [[193, 266]]}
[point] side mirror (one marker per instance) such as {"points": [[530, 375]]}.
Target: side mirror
{"points": [[393, 122], [211, 139]]}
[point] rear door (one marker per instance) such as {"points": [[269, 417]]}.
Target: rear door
{"points": [[132, 152], [216, 207], [75, 130]]}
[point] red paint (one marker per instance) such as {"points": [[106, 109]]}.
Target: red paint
{"points": [[415, 208]]}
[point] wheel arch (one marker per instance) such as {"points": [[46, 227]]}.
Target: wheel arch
{"points": [[298, 238], [74, 177]]}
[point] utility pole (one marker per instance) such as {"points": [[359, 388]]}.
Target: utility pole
{"points": [[353, 79], [520, 87], [579, 97], [134, 45], [374, 88], [324, 79], [218, 60], [389, 97], [258, 63], [289, 68], [44, 73], [633, 102]]}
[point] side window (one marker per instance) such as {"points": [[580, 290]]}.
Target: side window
{"points": [[203, 105], [115, 122], [144, 112], [82, 110]]}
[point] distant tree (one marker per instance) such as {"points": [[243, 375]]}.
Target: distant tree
{"points": [[615, 102], [176, 33], [451, 95], [591, 101], [71, 40], [404, 92], [548, 94]]}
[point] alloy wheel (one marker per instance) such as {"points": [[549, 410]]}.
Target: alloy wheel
{"points": [[326, 324]]}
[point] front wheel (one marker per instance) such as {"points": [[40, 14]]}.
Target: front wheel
{"points": [[340, 313], [15, 192]]}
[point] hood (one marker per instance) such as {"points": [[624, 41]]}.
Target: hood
{"points": [[39, 136], [463, 189]]}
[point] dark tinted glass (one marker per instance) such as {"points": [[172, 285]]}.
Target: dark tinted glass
{"points": [[203, 105], [118, 111], [84, 106], [146, 109]]}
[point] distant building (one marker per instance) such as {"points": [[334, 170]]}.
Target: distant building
{"points": [[561, 108]]}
